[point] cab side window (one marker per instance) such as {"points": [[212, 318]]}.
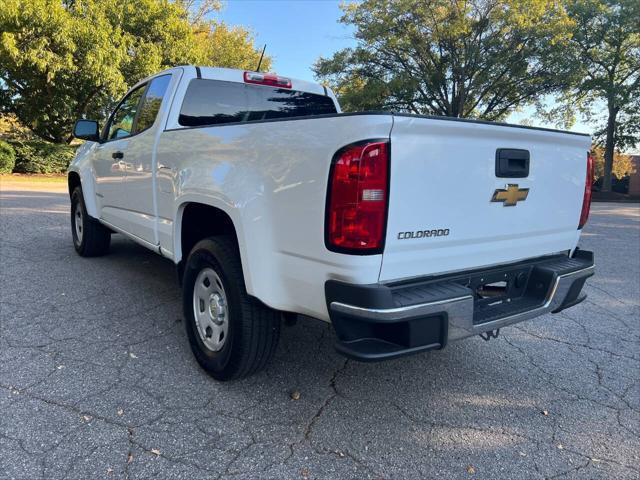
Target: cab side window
{"points": [[121, 124], [151, 102]]}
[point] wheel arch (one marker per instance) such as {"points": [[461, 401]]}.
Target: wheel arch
{"points": [[73, 181], [196, 220], [80, 178]]}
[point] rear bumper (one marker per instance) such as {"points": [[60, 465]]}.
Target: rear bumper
{"points": [[382, 321]]}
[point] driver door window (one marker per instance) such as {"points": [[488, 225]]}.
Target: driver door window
{"points": [[122, 121]]}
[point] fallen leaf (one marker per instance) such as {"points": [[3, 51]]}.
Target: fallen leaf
{"points": [[120, 412], [470, 469], [305, 473], [295, 395], [155, 451], [130, 458]]}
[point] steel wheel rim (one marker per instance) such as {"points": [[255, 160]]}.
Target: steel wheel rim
{"points": [[77, 222], [210, 309]]}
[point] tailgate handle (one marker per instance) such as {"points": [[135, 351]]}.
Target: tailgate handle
{"points": [[512, 163]]}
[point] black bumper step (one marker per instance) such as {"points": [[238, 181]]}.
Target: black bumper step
{"points": [[379, 321]]}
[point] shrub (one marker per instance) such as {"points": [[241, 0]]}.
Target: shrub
{"points": [[7, 157], [37, 156]]}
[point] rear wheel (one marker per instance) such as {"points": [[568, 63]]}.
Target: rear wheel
{"points": [[231, 334], [90, 237]]}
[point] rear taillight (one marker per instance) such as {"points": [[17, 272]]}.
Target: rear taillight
{"points": [[267, 79], [586, 200], [357, 198]]}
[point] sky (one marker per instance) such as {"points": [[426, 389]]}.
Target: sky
{"points": [[298, 32]]}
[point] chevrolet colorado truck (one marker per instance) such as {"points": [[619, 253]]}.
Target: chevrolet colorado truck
{"points": [[404, 232]]}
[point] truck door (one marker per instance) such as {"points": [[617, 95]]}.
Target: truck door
{"points": [[140, 165], [110, 160]]}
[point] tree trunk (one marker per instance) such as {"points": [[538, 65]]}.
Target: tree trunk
{"points": [[609, 147]]}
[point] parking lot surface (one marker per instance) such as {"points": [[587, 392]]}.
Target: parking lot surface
{"points": [[97, 379]]}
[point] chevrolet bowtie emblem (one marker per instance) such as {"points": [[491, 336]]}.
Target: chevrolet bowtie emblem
{"points": [[511, 195]]}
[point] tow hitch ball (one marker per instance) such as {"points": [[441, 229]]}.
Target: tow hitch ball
{"points": [[490, 334]]}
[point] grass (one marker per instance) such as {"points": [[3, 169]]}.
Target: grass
{"points": [[35, 178], [35, 183]]}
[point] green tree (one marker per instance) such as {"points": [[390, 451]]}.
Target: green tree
{"points": [[604, 55], [199, 10], [61, 60], [221, 45], [473, 58], [7, 157]]}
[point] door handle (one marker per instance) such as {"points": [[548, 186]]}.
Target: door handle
{"points": [[512, 163], [117, 155]]}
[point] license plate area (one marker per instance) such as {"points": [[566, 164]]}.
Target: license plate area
{"points": [[495, 288], [503, 292]]}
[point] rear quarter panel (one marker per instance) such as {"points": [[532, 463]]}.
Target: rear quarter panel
{"points": [[271, 178]]}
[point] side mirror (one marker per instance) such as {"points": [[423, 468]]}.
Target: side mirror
{"points": [[87, 130]]}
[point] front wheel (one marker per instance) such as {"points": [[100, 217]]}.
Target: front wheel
{"points": [[90, 237], [231, 334]]}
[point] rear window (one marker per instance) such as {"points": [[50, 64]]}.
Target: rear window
{"points": [[214, 102]]}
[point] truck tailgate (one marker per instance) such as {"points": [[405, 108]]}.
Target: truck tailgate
{"points": [[442, 181]]}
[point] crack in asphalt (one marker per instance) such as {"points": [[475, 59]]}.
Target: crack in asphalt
{"points": [[546, 376], [327, 401]]}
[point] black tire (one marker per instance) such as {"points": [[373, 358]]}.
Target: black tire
{"points": [[253, 329], [92, 239]]}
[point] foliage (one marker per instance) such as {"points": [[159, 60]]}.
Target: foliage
{"points": [[478, 58], [603, 56], [37, 156], [223, 46], [61, 60], [626, 127], [622, 165], [12, 129], [200, 9], [7, 157]]}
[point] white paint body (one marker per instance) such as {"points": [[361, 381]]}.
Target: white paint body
{"points": [[271, 179]]}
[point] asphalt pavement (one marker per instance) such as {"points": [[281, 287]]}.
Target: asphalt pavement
{"points": [[97, 379]]}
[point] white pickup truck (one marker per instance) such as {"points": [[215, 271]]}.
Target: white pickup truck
{"points": [[403, 231]]}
